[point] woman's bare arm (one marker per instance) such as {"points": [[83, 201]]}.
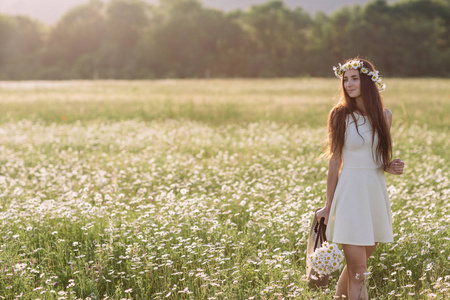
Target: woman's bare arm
{"points": [[397, 165], [332, 179]]}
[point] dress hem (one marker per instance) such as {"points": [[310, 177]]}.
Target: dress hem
{"points": [[359, 243]]}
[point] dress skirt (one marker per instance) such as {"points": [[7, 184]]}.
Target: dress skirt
{"points": [[360, 212]]}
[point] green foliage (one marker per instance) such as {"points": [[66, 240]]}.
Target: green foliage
{"points": [[131, 39], [125, 26], [22, 46], [190, 40], [75, 43]]}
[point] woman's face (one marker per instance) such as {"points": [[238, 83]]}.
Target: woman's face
{"points": [[352, 83]]}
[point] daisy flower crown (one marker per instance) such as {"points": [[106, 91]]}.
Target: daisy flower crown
{"points": [[358, 65]]}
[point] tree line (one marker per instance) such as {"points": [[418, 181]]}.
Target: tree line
{"points": [[131, 39]]}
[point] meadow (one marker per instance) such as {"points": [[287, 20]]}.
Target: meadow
{"points": [[203, 189]]}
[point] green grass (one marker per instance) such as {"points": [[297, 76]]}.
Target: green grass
{"points": [[202, 189], [215, 102]]}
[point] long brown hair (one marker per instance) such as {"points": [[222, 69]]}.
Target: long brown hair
{"points": [[374, 107]]}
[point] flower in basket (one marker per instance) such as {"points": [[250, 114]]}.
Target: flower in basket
{"points": [[326, 259]]}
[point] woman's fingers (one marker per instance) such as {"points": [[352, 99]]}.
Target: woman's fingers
{"points": [[398, 166], [319, 217], [322, 213], [398, 162], [398, 170]]}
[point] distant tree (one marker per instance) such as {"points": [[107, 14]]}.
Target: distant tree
{"points": [[186, 40], [319, 45], [424, 46], [73, 45], [6, 32], [232, 48], [278, 37], [408, 38], [126, 23], [22, 44]]}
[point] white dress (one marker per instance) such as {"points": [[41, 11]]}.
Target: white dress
{"points": [[360, 212]]}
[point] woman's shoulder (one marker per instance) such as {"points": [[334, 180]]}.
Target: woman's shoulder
{"points": [[387, 112], [388, 116]]}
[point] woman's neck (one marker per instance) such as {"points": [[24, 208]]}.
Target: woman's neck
{"points": [[360, 104]]}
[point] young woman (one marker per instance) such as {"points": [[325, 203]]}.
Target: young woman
{"points": [[357, 210]]}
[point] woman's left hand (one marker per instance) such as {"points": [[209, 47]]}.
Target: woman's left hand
{"points": [[396, 167]]}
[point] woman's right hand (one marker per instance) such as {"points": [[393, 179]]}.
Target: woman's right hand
{"points": [[323, 213]]}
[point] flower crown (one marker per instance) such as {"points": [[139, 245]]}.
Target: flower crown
{"points": [[355, 65]]}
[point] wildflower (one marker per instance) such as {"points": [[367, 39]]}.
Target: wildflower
{"points": [[19, 267]]}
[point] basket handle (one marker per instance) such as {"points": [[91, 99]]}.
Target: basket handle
{"points": [[320, 229]]}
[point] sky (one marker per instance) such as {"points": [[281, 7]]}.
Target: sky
{"points": [[49, 11]]}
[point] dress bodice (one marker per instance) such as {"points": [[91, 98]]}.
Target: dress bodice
{"points": [[358, 151]]}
